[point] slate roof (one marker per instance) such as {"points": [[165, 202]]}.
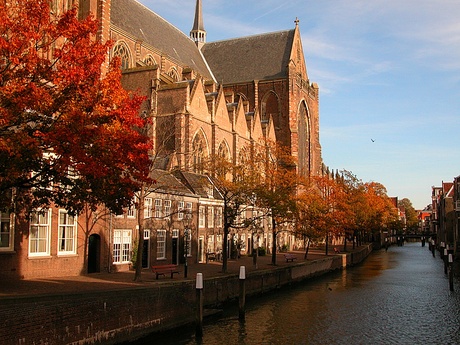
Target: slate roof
{"points": [[199, 184], [258, 57], [168, 183], [147, 26]]}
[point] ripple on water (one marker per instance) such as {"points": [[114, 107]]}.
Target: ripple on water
{"points": [[397, 297]]}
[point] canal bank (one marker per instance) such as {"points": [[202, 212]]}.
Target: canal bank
{"points": [[399, 296], [126, 310]]}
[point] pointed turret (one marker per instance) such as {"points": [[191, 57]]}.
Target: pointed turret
{"points": [[198, 33]]}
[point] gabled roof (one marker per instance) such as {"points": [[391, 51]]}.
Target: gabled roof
{"points": [[168, 183], [448, 189], [264, 56], [199, 184], [139, 21]]}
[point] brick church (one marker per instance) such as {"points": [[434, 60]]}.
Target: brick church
{"points": [[206, 98]]}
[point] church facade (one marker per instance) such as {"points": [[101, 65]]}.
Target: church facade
{"points": [[205, 99]]}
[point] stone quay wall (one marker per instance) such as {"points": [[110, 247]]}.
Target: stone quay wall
{"points": [[109, 317]]}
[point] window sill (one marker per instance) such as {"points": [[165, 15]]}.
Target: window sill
{"points": [[38, 257], [67, 255]]}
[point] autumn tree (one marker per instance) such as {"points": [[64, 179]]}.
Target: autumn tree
{"points": [[368, 208], [380, 211], [309, 224], [354, 206], [276, 187], [68, 134], [410, 213], [234, 182]]}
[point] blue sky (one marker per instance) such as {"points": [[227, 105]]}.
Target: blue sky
{"points": [[388, 70]]}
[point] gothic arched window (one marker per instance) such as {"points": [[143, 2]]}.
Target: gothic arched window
{"points": [[122, 51], [174, 74], [150, 61], [304, 147], [270, 107], [199, 153]]}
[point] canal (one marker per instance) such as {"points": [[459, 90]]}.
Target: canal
{"points": [[401, 296]]}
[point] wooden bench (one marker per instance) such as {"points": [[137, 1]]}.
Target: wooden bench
{"points": [[290, 257], [336, 250], [162, 270], [211, 256]]}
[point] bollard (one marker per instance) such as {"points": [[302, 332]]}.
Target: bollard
{"points": [[199, 306], [445, 260], [433, 248], [242, 299], [451, 273]]}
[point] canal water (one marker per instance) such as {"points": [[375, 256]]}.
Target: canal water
{"points": [[401, 296]]}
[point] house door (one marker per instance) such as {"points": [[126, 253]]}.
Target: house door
{"points": [[201, 249], [175, 247], [146, 249], [94, 254]]}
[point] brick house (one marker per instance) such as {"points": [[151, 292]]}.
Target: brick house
{"points": [[206, 98]]}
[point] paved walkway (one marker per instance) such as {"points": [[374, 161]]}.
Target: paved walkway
{"points": [[123, 280]]}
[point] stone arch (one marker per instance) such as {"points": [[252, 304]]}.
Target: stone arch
{"points": [[224, 155], [121, 50], [224, 150], [304, 139], [149, 60], [270, 106], [244, 100], [174, 74], [200, 151]]}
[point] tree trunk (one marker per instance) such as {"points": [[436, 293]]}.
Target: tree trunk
{"points": [[140, 242], [274, 241], [255, 250], [307, 247], [224, 248]]}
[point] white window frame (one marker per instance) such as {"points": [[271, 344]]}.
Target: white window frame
{"points": [[161, 244], [210, 244], [67, 233], [148, 206], [210, 217], [6, 232], [201, 217], [219, 217], [158, 208], [167, 208], [42, 227], [180, 210], [131, 211], [189, 209], [122, 246]]}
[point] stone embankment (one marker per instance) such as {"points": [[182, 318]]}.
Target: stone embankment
{"points": [[108, 313]]}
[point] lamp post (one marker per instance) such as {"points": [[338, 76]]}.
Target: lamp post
{"points": [[186, 249]]}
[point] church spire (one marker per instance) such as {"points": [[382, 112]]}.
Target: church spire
{"points": [[198, 33]]}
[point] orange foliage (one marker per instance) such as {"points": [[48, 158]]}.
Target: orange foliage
{"points": [[58, 113]]}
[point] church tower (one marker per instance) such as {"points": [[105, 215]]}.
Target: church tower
{"points": [[198, 33]]}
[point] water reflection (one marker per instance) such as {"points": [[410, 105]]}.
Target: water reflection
{"points": [[397, 297]]}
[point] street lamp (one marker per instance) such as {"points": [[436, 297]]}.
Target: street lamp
{"points": [[186, 249]]}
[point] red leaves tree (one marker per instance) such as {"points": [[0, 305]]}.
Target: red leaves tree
{"points": [[68, 134]]}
